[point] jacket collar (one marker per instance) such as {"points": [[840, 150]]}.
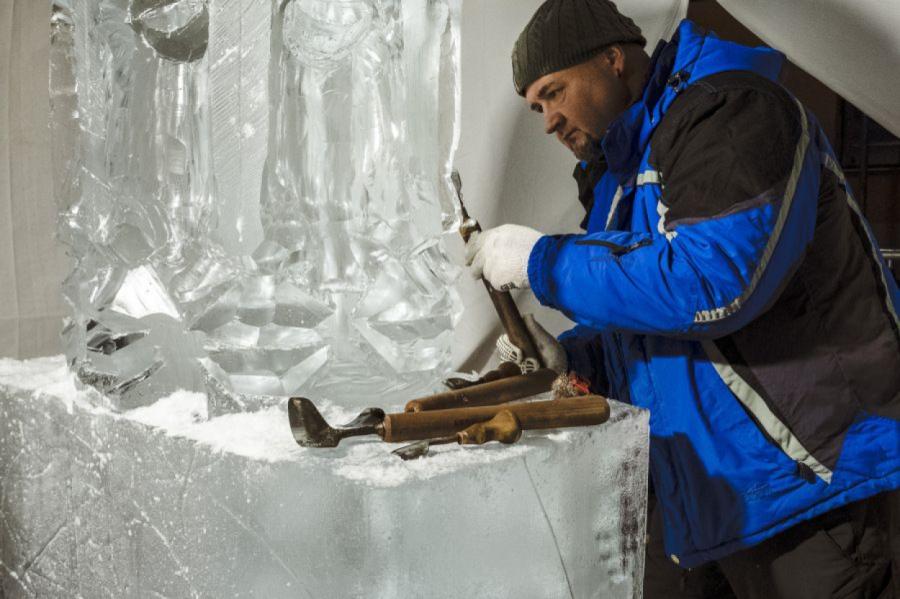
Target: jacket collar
{"points": [[692, 54]]}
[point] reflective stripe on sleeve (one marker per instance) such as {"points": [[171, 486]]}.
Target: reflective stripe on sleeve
{"points": [[832, 165], [655, 178], [661, 210], [651, 177], [614, 206], [704, 316]]}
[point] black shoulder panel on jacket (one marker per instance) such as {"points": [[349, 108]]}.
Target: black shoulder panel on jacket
{"points": [[587, 178], [727, 143]]}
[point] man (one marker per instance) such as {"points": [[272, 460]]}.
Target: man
{"points": [[728, 283]]}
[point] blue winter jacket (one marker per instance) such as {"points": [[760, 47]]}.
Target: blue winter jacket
{"points": [[728, 283]]}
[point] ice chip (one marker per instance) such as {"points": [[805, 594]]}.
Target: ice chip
{"points": [[142, 294], [320, 32], [297, 376], [178, 30]]}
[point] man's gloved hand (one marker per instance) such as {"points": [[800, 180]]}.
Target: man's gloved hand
{"points": [[553, 355], [500, 255]]}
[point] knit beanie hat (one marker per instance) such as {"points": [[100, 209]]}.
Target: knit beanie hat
{"points": [[563, 33]]}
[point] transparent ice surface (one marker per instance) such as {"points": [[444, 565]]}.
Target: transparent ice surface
{"points": [[260, 188], [160, 501]]}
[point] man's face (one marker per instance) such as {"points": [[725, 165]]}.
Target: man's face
{"points": [[579, 103]]}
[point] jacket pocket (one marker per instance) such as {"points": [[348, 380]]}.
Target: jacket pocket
{"points": [[614, 248]]}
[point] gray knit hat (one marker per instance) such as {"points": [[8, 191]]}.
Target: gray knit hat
{"points": [[563, 33]]}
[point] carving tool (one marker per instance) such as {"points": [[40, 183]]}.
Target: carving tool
{"points": [[494, 392], [504, 428], [311, 430], [504, 304]]}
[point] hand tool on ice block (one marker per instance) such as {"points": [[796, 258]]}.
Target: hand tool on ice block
{"points": [[493, 392], [504, 427], [311, 430], [503, 302], [505, 369]]}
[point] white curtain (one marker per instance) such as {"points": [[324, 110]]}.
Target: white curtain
{"points": [[32, 264], [852, 46]]}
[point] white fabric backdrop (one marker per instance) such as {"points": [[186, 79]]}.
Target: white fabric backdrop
{"points": [[852, 46], [32, 265]]}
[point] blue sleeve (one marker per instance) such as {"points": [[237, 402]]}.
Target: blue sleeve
{"points": [[711, 279], [709, 274]]}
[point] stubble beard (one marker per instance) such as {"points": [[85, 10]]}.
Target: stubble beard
{"points": [[586, 148]]}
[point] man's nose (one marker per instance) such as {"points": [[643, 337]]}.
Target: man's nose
{"points": [[552, 122]]}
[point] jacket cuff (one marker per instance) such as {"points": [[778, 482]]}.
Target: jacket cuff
{"points": [[540, 264]]}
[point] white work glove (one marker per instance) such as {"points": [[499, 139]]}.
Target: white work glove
{"points": [[552, 353], [500, 255]]}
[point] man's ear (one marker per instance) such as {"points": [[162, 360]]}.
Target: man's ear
{"points": [[617, 56], [613, 57]]}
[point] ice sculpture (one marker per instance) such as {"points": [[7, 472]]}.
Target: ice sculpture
{"points": [[160, 502], [260, 187]]}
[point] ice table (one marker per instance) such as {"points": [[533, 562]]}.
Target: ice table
{"points": [[161, 502]]}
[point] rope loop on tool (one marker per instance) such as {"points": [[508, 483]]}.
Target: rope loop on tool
{"points": [[509, 352], [529, 365]]}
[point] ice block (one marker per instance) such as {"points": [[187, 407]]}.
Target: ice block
{"points": [[161, 501], [259, 187]]}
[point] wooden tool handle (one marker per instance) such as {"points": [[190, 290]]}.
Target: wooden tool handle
{"points": [[494, 392], [504, 304], [512, 322], [579, 411], [503, 371], [503, 427]]}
